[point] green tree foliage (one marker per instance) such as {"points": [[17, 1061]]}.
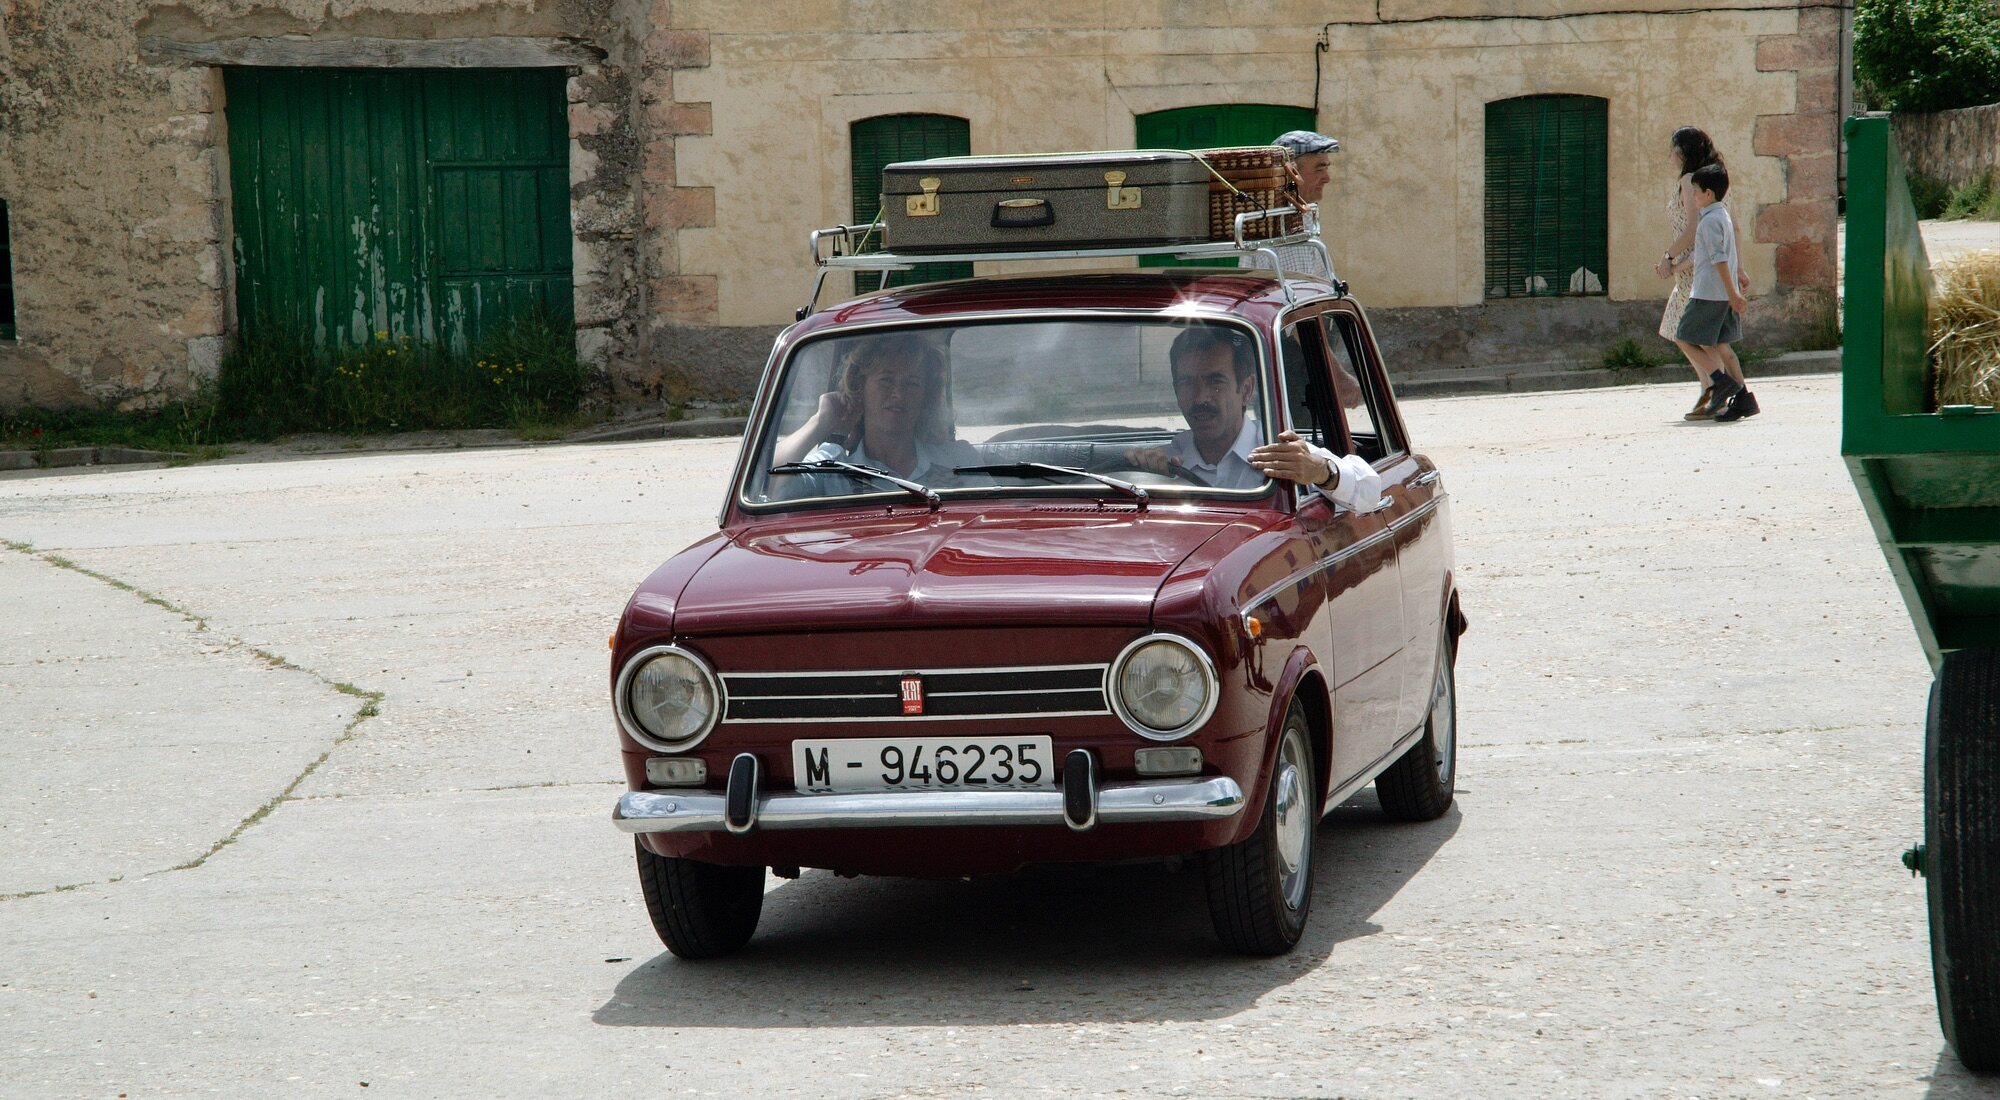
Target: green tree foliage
{"points": [[1927, 55]]}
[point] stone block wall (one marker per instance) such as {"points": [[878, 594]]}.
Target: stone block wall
{"points": [[1956, 147], [1806, 139], [679, 303]]}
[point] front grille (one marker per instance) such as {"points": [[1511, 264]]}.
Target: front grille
{"points": [[1044, 691]]}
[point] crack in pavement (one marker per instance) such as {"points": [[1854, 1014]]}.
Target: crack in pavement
{"points": [[370, 707], [551, 784]]}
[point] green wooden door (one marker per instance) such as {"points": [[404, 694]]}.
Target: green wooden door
{"points": [[432, 204], [1217, 126], [1545, 196], [876, 143]]}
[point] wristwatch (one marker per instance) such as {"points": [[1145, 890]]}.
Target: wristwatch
{"points": [[1332, 478]]}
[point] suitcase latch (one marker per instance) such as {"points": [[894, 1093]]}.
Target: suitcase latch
{"points": [[1117, 196], [926, 204]]}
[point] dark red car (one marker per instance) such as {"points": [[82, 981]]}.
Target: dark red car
{"points": [[984, 596]]}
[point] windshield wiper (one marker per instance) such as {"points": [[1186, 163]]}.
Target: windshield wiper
{"points": [[1047, 469], [863, 473]]}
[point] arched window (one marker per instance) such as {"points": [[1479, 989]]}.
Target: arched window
{"points": [[876, 143], [1215, 126], [1545, 196]]}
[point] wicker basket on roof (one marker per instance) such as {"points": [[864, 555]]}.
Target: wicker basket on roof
{"points": [[1251, 178]]}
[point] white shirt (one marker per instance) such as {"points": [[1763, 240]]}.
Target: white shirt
{"points": [[1232, 470], [1358, 487]]}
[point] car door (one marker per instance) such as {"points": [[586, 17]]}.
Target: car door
{"points": [[1358, 636], [1411, 485]]}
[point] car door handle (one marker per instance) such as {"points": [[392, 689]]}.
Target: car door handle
{"points": [[1425, 478]]}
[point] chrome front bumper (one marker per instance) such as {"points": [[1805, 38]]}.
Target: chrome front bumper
{"points": [[1151, 800]]}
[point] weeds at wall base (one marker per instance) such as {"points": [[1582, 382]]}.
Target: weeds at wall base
{"points": [[1628, 354], [524, 374], [524, 377], [1937, 200]]}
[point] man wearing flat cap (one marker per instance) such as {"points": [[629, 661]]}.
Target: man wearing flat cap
{"points": [[1313, 154]]}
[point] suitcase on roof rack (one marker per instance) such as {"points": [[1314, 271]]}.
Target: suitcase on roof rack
{"points": [[1030, 203]]}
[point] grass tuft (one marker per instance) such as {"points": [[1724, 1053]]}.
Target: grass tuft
{"points": [[1627, 354], [1975, 201]]}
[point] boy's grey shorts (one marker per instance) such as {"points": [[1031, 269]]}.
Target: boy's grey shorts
{"points": [[1708, 323]]}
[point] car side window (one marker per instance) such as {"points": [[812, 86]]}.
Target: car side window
{"points": [[1361, 401], [1300, 347]]}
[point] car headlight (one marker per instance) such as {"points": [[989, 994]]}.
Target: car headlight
{"points": [[1163, 686], [668, 698]]}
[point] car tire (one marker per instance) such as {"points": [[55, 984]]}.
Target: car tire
{"points": [[1260, 889], [1962, 852], [701, 910], [1420, 785]]}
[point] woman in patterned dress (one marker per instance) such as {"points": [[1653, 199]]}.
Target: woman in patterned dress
{"points": [[1690, 149]]}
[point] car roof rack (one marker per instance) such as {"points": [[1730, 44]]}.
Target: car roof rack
{"points": [[841, 247]]}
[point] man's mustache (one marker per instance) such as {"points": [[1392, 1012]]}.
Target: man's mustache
{"points": [[1211, 410]]}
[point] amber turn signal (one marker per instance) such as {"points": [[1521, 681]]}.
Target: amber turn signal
{"points": [[1253, 626]]}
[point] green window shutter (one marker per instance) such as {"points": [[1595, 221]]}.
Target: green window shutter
{"points": [[876, 143], [1546, 196], [1216, 126], [6, 275]]}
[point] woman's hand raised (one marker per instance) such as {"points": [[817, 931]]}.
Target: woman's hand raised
{"points": [[837, 414]]}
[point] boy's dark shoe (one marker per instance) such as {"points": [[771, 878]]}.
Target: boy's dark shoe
{"points": [[1742, 405], [1722, 389]]}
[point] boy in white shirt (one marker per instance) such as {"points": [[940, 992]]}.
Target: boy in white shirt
{"points": [[1714, 317]]}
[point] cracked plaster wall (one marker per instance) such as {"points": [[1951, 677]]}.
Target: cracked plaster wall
{"points": [[713, 135], [1403, 83], [114, 168]]}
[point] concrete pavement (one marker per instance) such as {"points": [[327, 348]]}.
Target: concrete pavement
{"points": [[1691, 712]]}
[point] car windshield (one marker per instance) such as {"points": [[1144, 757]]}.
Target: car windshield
{"points": [[1100, 407]]}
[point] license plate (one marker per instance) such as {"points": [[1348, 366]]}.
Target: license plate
{"points": [[923, 764]]}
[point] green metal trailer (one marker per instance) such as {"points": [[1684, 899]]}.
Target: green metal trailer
{"points": [[1930, 481]]}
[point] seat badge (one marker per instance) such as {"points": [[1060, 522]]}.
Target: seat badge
{"points": [[913, 695]]}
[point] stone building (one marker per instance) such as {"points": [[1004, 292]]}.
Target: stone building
{"points": [[174, 173]]}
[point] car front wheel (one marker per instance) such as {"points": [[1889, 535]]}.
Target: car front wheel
{"points": [[700, 910], [1260, 889]]}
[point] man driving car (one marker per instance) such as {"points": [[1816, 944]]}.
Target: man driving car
{"points": [[1215, 381]]}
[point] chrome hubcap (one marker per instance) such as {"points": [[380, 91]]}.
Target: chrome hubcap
{"points": [[1292, 812], [1444, 722]]}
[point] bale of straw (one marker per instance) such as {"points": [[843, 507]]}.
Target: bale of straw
{"points": [[1965, 331]]}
